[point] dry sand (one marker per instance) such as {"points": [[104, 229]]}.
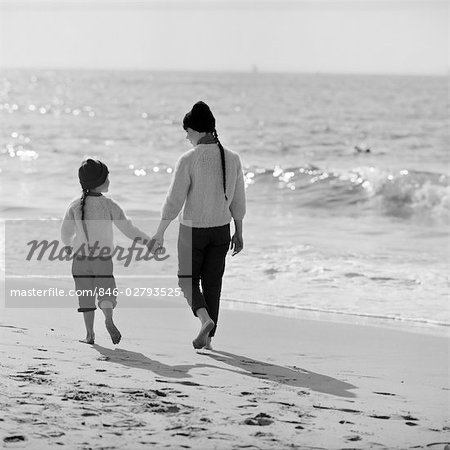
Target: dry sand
{"points": [[272, 382]]}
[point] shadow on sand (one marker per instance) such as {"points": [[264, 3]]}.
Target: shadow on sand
{"points": [[296, 376], [140, 361]]}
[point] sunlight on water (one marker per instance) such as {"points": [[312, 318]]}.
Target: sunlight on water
{"points": [[348, 205]]}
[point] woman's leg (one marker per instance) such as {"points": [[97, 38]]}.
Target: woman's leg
{"points": [[213, 269], [212, 274], [190, 258], [191, 244]]}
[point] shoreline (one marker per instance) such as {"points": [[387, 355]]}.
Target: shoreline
{"points": [[418, 326]]}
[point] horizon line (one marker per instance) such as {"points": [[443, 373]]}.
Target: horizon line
{"points": [[228, 71], [180, 5]]}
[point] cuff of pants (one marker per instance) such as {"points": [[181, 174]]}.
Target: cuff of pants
{"points": [[86, 309], [190, 288], [194, 310]]}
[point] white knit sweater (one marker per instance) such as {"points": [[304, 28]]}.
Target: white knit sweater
{"points": [[99, 214], [197, 184]]}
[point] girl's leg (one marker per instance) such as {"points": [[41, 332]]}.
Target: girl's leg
{"points": [[88, 317], [82, 274], [107, 301], [107, 309]]}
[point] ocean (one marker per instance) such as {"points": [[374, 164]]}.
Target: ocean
{"points": [[347, 176]]}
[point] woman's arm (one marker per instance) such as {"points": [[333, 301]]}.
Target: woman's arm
{"points": [[176, 196], [159, 235], [179, 187], [237, 209], [237, 241], [237, 205]]}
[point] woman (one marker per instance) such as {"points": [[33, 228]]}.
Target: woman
{"points": [[208, 188]]}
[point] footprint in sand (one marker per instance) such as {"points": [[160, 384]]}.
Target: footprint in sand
{"points": [[12, 441], [385, 393], [354, 438], [129, 423], [260, 419], [33, 375], [185, 383], [410, 418], [167, 409]]}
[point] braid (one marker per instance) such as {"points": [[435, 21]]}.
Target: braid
{"points": [[83, 201], [222, 157]]}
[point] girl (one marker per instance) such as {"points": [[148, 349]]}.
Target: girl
{"points": [[208, 184], [87, 229]]}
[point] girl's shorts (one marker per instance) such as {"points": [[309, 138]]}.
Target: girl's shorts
{"points": [[94, 280]]}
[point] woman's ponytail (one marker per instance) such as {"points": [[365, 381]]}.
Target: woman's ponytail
{"points": [[222, 157]]}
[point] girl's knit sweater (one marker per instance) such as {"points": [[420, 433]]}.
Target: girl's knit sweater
{"points": [[99, 215]]}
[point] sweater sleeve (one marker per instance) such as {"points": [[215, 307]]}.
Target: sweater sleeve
{"points": [[237, 205], [178, 190], [125, 225], [68, 227]]}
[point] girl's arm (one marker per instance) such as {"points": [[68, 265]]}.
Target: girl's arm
{"points": [[126, 226], [68, 228]]}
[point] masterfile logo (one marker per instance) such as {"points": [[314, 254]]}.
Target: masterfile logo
{"points": [[41, 270]]}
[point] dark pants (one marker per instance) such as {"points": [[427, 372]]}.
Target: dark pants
{"points": [[201, 259]]}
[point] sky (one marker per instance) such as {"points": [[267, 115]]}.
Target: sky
{"points": [[333, 36]]}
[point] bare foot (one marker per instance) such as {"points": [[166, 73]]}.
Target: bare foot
{"points": [[90, 339], [208, 345], [200, 340], [113, 332]]}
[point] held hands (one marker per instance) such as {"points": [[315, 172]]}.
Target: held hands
{"points": [[237, 243], [156, 244]]}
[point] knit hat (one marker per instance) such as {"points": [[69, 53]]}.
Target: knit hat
{"points": [[200, 118], [92, 173]]}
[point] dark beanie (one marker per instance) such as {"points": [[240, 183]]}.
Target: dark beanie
{"points": [[92, 173], [200, 118]]}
